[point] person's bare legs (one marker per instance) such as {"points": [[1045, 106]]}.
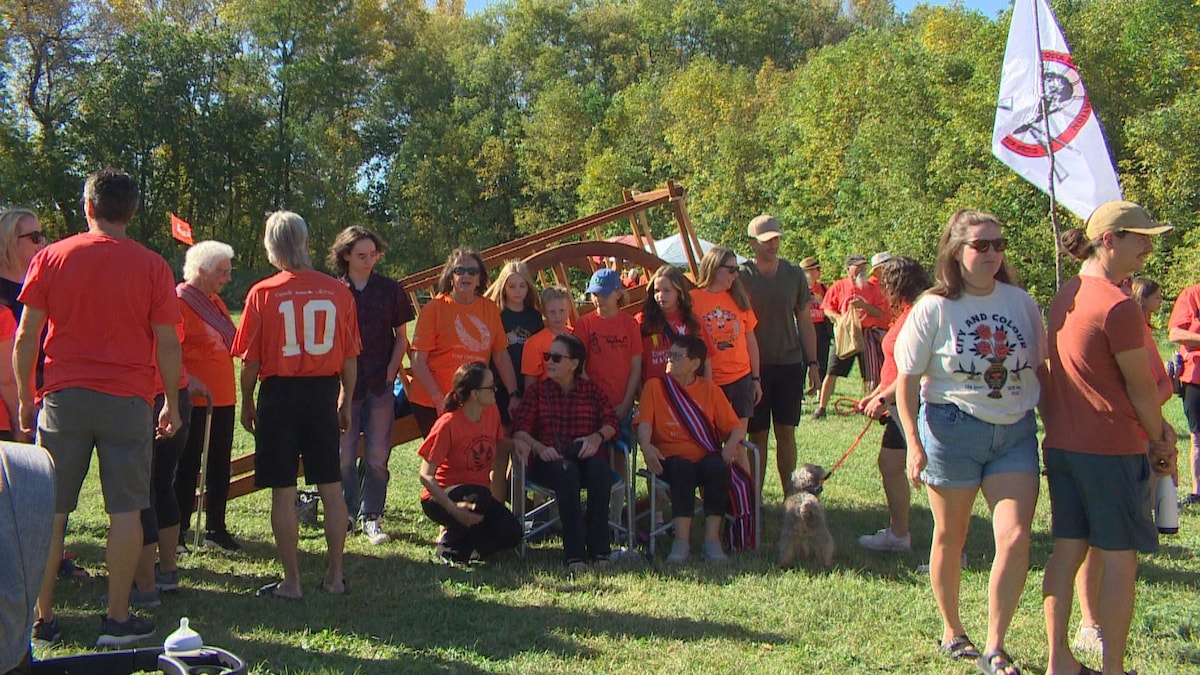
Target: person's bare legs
{"points": [[1195, 464], [1057, 585], [122, 553], [335, 535], [712, 529], [1116, 605], [951, 509], [896, 488], [287, 534], [45, 598], [785, 455], [1012, 498], [827, 386], [1087, 588]]}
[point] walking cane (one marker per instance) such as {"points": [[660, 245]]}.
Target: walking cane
{"points": [[203, 486]]}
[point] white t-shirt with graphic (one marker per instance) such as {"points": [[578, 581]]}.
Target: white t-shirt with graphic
{"points": [[980, 353]]}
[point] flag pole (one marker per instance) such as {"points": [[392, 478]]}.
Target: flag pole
{"points": [[1044, 107]]}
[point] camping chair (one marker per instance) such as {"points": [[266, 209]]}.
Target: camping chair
{"points": [[654, 485], [544, 516]]}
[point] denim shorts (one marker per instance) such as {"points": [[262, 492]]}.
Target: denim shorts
{"points": [[963, 449]]}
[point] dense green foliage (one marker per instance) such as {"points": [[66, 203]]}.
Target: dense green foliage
{"points": [[860, 128]]}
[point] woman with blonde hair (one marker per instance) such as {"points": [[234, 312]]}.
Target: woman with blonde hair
{"points": [[723, 307], [970, 360]]}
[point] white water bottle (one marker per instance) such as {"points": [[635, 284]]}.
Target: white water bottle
{"points": [[184, 639], [1166, 510]]}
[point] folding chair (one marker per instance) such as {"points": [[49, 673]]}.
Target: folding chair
{"points": [[521, 486], [654, 484]]}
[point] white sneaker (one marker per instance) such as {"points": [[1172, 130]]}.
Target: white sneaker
{"points": [[1089, 640], [679, 552], [373, 530], [924, 569], [885, 540]]}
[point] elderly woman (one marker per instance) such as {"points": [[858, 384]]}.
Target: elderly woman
{"points": [[970, 357], [458, 326], [1101, 408], [561, 428], [208, 335], [681, 422]]}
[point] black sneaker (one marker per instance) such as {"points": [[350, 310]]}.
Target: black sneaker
{"points": [[113, 634], [223, 540], [1190, 499], [46, 634]]}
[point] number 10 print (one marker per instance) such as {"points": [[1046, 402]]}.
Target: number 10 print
{"points": [[291, 345]]}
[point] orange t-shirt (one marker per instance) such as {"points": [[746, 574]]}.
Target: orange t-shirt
{"points": [[668, 435], [727, 326], [453, 334], [1084, 405], [611, 345], [298, 324], [462, 450], [102, 297], [532, 362], [8, 330], [1186, 315], [656, 347], [205, 356], [839, 295]]}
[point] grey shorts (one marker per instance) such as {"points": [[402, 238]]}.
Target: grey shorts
{"points": [[740, 393], [121, 428], [1104, 499]]}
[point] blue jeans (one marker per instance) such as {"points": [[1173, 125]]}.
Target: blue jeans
{"points": [[373, 416]]}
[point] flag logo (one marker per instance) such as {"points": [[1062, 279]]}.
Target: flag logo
{"points": [[1068, 110], [181, 230]]}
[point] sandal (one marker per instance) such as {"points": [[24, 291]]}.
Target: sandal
{"points": [[959, 649], [271, 591], [997, 662]]}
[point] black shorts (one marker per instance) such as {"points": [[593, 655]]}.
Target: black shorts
{"points": [[297, 419], [1191, 406], [893, 437], [740, 393], [839, 367], [783, 392]]}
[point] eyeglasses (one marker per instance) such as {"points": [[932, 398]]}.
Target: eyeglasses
{"points": [[551, 356], [731, 268], [982, 245], [466, 271], [676, 356], [492, 388], [36, 237]]}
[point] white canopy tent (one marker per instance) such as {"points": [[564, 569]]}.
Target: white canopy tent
{"points": [[670, 249]]}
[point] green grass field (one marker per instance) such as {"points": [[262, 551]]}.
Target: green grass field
{"points": [[871, 614]]}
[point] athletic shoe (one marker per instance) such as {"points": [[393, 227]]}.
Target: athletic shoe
{"points": [[223, 540], [372, 529], [712, 552], [679, 552], [46, 634], [182, 548], [140, 599], [166, 581], [1190, 499], [885, 540], [818, 413], [1089, 640], [69, 569], [127, 632], [924, 569]]}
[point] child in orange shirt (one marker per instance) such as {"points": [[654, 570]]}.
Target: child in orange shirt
{"points": [[556, 307]]}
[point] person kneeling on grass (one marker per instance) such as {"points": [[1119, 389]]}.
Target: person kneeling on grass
{"points": [[681, 421], [456, 464]]}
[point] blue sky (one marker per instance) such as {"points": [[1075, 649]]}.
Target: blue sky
{"points": [[988, 7]]}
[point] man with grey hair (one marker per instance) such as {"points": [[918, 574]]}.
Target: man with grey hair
{"points": [[299, 337], [208, 332], [112, 312]]}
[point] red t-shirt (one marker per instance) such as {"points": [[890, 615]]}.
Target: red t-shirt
{"points": [[206, 357], [8, 329], [727, 326], [839, 295], [102, 297], [1186, 315], [816, 295], [298, 324], [452, 334], [888, 373], [656, 347], [611, 345], [462, 450]]}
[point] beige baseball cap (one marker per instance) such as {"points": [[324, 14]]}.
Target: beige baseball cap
{"points": [[764, 228], [1120, 216]]}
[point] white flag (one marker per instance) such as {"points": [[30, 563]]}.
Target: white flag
{"points": [[1083, 171]]}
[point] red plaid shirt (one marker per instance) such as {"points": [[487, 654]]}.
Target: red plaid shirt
{"points": [[556, 418]]}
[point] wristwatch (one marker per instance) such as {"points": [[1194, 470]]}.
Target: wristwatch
{"points": [[812, 363]]}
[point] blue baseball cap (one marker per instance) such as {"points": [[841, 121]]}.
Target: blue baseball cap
{"points": [[604, 282]]}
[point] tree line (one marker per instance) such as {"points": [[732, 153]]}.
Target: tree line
{"points": [[860, 128]]}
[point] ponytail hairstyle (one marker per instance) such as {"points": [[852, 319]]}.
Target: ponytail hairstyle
{"points": [[467, 379], [1076, 243]]}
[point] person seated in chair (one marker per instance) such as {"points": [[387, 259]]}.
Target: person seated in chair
{"points": [[561, 428], [681, 422]]}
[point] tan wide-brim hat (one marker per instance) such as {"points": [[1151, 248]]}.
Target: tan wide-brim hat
{"points": [[810, 263]]}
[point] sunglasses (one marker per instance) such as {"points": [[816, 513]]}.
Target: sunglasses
{"points": [[465, 271], [982, 245], [37, 236], [551, 356]]}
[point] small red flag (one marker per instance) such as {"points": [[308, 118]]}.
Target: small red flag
{"points": [[181, 230]]}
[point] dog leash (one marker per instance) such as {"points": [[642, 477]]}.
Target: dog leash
{"points": [[845, 406], [853, 445]]}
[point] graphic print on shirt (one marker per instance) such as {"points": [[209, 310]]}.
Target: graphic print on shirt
{"points": [[993, 339], [481, 344], [518, 335], [723, 326], [480, 452], [597, 343]]}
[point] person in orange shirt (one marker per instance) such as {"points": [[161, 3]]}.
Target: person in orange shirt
{"points": [[299, 336], [724, 309], [458, 326], [689, 456], [556, 307]]}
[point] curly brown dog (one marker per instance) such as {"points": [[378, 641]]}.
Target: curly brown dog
{"points": [[805, 532]]}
